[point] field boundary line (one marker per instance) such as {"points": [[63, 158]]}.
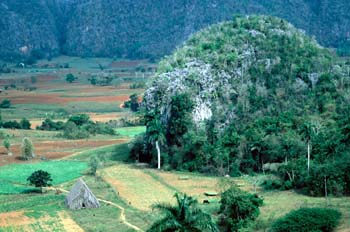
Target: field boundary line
{"points": [[93, 149]]}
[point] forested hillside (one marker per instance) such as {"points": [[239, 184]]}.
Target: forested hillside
{"points": [[252, 94], [138, 28]]}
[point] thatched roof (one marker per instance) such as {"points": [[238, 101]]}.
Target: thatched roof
{"points": [[81, 196]]}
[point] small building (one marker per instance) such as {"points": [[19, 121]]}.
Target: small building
{"points": [[81, 197]]}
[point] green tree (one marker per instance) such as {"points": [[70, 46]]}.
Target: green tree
{"points": [[238, 208], [186, 216], [40, 179], [134, 102], [70, 77], [7, 145], [180, 118], [94, 163], [25, 124], [27, 149], [79, 119], [6, 103]]}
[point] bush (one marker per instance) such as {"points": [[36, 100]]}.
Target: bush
{"points": [[49, 125], [98, 128], [6, 103], [72, 131], [11, 125], [79, 119], [238, 208], [308, 220], [25, 124], [27, 149], [271, 184], [70, 78]]}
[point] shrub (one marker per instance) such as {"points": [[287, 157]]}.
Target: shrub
{"points": [[93, 164], [133, 103], [308, 220], [79, 119], [271, 184], [98, 128], [49, 125], [70, 78], [11, 125], [25, 124], [27, 149], [238, 208], [72, 131], [6, 103]]}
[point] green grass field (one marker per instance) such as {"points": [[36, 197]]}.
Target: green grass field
{"points": [[131, 131], [14, 177]]}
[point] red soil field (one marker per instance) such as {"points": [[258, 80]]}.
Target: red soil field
{"points": [[17, 97], [54, 149], [124, 64], [40, 79]]}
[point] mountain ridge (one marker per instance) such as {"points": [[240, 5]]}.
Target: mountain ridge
{"points": [[148, 29]]}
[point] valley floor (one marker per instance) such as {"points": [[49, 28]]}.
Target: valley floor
{"points": [[128, 191]]}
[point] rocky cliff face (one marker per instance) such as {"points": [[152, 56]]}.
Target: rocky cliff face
{"points": [[220, 67], [138, 28]]}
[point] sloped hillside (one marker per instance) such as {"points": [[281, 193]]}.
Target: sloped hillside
{"points": [[247, 92]]}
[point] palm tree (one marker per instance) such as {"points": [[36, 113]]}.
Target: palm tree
{"points": [[186, 216], [308, 131], [156, 136]]}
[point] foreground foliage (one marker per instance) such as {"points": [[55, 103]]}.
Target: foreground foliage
{"points": [[238, 208], [308, 219], [184, 217]]}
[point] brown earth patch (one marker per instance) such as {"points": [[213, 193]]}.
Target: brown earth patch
{"points": [[27, 80], [106, 117], [124, 64], [15, 218], [54, 149], [17, 97]]}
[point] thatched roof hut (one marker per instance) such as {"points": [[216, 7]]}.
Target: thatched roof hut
{"points": [[81, 197]]}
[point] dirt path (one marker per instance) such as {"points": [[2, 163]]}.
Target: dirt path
{"points": [[122, 216]]}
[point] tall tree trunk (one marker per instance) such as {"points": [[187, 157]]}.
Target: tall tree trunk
{"points": [[308, 157], [158, 151]]}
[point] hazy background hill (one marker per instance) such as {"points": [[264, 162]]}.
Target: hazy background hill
{"points": [[144, 28]]}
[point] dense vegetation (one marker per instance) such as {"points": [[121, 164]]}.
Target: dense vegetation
{"points": [[77, 127], [238, 208], [250, 92], [308, 219], [147, 28]]}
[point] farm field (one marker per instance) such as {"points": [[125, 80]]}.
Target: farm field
{"points": [[134, 189], [42, 91]]}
